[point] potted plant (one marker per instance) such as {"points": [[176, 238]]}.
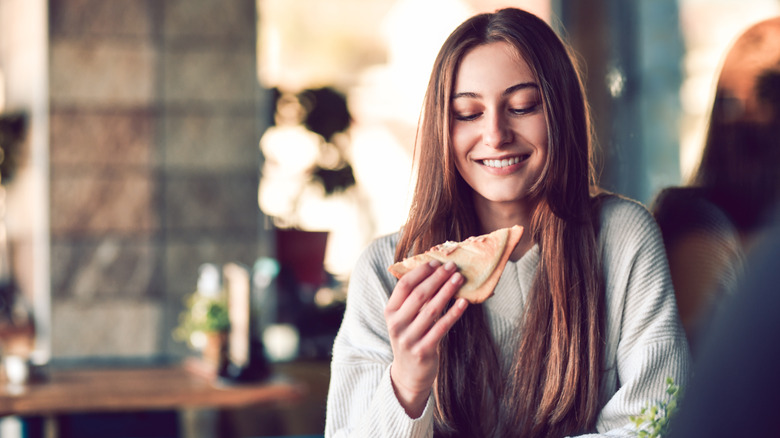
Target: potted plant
{"points": [[204, 324]]}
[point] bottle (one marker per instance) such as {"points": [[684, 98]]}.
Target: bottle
{"points": [[246, 360]]}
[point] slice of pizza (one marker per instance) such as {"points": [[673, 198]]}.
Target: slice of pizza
{"points": [[480, 259]]}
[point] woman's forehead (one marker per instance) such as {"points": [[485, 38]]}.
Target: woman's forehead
{"points": [[496, 64]]}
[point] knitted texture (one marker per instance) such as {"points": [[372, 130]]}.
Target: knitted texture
{"points": [[644, 340]]}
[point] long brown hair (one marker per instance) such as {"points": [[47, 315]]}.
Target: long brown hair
{"points": [[553, 386]]}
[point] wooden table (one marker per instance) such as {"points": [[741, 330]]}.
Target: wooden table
{"points": [[125, 389]]}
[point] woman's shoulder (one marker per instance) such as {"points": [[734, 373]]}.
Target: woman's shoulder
{"points": [[385, 241], [380, 253], [370, 277], [617, 209], [626, 224]]}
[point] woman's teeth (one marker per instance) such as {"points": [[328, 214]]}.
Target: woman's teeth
{"points": [[503, 163]]}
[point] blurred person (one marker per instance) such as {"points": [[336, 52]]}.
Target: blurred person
{"points": [[583, 328], [712, 223], [733, 391]]}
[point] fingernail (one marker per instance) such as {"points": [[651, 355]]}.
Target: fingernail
{"points": [[449, 265], [434, 263], [456, 278], [461, 303]]}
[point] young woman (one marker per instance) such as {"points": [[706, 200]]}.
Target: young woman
{"points": [[582, 330]]}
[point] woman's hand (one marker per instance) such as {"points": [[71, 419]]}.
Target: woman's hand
{"points": [[416, 322]]}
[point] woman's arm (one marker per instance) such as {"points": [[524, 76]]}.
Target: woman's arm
{"points": [[645, 342], [366, 398], [417, 322]]}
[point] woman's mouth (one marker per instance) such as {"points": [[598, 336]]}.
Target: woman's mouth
{"points": [[504, 162]]}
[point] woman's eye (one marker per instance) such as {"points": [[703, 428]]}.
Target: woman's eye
{"points": [[466, 117], [525, 110]]}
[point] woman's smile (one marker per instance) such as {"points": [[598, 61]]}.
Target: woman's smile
{"points": [[508, 164]]}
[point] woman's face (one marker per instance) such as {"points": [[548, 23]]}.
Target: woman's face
{"points": [[499, 130]]}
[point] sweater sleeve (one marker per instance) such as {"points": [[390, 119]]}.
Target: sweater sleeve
{"points": [[645, 340], [361, 400]]}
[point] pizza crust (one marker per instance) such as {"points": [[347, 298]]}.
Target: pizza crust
{"points": [[480, 259]]}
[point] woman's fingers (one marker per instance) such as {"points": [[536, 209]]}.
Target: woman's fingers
{"points": [[416, 323], [408, 283], [428, 287], [432, 311], [418, 298], [444, 324]]}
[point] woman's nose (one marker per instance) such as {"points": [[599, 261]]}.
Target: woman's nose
{"points": [[496, 132]]}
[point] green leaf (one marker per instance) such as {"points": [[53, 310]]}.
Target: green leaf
{"points": [[655, 417]]}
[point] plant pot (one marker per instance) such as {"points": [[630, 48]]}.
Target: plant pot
{"points": [[214, 354]]}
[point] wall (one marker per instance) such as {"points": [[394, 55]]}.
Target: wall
{"points": [[154, 164]]}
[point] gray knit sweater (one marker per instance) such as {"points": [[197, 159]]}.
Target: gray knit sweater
{"points": [[645, 342]]}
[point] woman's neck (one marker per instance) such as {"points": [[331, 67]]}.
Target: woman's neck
{"points": [[496, 215]]}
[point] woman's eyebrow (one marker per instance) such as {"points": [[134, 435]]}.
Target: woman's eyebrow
{"points": [[520, 86], [468, 94], [508, 91]]}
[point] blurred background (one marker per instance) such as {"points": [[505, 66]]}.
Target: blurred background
{"points": [[142, 139]]}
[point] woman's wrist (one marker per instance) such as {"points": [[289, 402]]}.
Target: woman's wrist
{"points": [[412, 401]]}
